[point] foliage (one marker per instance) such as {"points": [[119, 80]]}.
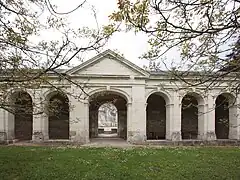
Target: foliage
{"points": [[202, 31], [108, 163], [233, 58], [27, 57]]}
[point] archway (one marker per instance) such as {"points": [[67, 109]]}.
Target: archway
{"points": [[113, 99], [107, 119], [58, 116], [23, 115], [224, 115], [192, 116], [156, 117]]}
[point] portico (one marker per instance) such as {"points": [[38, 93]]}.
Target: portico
{"points": [[151, 106]]}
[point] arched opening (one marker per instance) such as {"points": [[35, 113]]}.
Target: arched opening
{"points": [[58, 116], [99, 104], [156, 117], [224, 115], [23, 115], [190, 114], [107, 120]]}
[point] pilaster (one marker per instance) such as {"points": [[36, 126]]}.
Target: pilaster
{"points": [[79, 120], [137, 116], [3, 134], [202, 121], [210, 123], [37, 133], [174, 113], [234, 122]]}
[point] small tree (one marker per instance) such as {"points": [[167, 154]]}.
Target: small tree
{"points": [[26, 60], [203, 32]]}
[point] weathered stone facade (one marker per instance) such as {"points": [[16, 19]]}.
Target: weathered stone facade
{"points": [[149, 105]]}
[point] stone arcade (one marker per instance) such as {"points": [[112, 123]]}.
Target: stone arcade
{"points": [[150, 106]]}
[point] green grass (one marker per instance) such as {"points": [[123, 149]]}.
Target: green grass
{"points": [[108, 163]]}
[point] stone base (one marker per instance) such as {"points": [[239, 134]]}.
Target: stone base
{"points": [[233, 133], [175, 136], [3, 137], [37, 136], [136, 137], [188, 142], [80, 138], [210, 135]]}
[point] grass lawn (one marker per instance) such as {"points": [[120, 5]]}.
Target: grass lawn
{"points": [[108, 163]]}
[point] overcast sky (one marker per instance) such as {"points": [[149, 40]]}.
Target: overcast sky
{"points": [[130, 44]]}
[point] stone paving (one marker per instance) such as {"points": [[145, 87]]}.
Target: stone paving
{"points": [[108, 142], [114, 141]]}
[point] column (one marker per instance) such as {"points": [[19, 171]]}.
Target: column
{"points": [[234, 119], [37, 135], [238, 118], [3, 135], [169, 121], [45, 129], [86, 121], [7, 121], [9, 126], [78, 119], [137, 116], [129, 120], [174, 113], [202, 121], [210, 122]]}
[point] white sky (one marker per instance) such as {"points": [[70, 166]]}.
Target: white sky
{"points": [[129, 44]]}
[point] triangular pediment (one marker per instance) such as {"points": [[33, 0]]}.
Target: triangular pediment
{"points": [[108, 63]]}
